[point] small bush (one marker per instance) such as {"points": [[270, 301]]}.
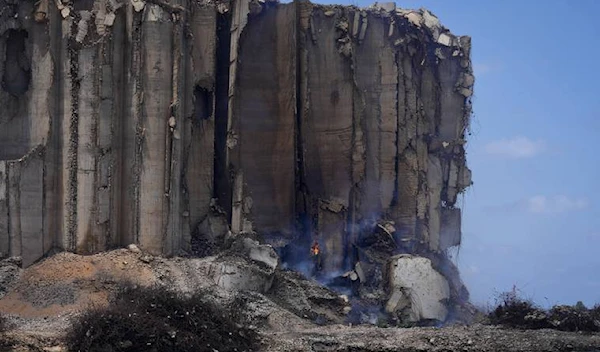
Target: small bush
{"points": [[513, 311], [573, 318], [516, 312], [155, 319]]}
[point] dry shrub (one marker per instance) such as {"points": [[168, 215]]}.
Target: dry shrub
{"points": [[155, 319], [514, 311], [574, 318]]}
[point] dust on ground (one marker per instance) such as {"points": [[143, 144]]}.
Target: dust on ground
{"points": [[295, 314]]}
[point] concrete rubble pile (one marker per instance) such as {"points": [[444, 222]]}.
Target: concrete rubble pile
{"points": [[174, 124]]}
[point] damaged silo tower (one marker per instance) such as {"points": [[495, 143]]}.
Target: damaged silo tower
{"points": [[131, 121]]}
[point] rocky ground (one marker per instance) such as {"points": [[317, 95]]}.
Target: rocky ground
{"points": [[290, 312]]}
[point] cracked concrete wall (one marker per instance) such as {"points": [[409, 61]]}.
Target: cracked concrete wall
{"points": [[130, 121], [264, 110]]}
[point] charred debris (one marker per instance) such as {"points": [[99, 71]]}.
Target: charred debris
{"points": [[334, 134]]}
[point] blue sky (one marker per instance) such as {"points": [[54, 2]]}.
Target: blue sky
{"points": [[531, 217]]}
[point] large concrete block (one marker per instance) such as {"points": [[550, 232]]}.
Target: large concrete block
{"points": [[418, 291]]}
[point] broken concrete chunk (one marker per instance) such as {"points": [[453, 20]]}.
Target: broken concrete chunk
{"points": [[214, 228], [109, 20], [427, 289], [65, 12], [356, 24], [146, 259], [172, 121], [464, 41], [346, 49], [332, 205], [232, 140], [260, 253], [41, 11], [385, 6], [388, 228], [247, 205], [343, 26], [430, 20], [264, 254], [115, 4], [329, 13], [352, 275], [134, 248], [360, 272], [466, 92], [85, 15], [464, 178], [397, 302], [223, 8], [439, 53], [238, 275], [446, 39], [363, 28], [82, 25], [155, 13], [138, 5], [414, 18], [467, 80], [247, 226]]}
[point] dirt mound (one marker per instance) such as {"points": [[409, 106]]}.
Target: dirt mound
{"points": [[67, 283]]}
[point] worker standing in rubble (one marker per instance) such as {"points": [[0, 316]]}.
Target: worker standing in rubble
{"points": [[316, 256]]}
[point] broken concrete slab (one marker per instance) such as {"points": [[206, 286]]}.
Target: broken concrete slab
{"points": [[238, 274], [260, 253], [413, 279]]}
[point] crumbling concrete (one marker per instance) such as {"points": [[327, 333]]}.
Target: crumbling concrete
{"points": [[132, 121], [417, 289]]}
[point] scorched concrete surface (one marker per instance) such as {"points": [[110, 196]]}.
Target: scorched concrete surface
{"points": [[133, 122]]}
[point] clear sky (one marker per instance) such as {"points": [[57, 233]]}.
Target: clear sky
{"points": [[531, 218]]}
